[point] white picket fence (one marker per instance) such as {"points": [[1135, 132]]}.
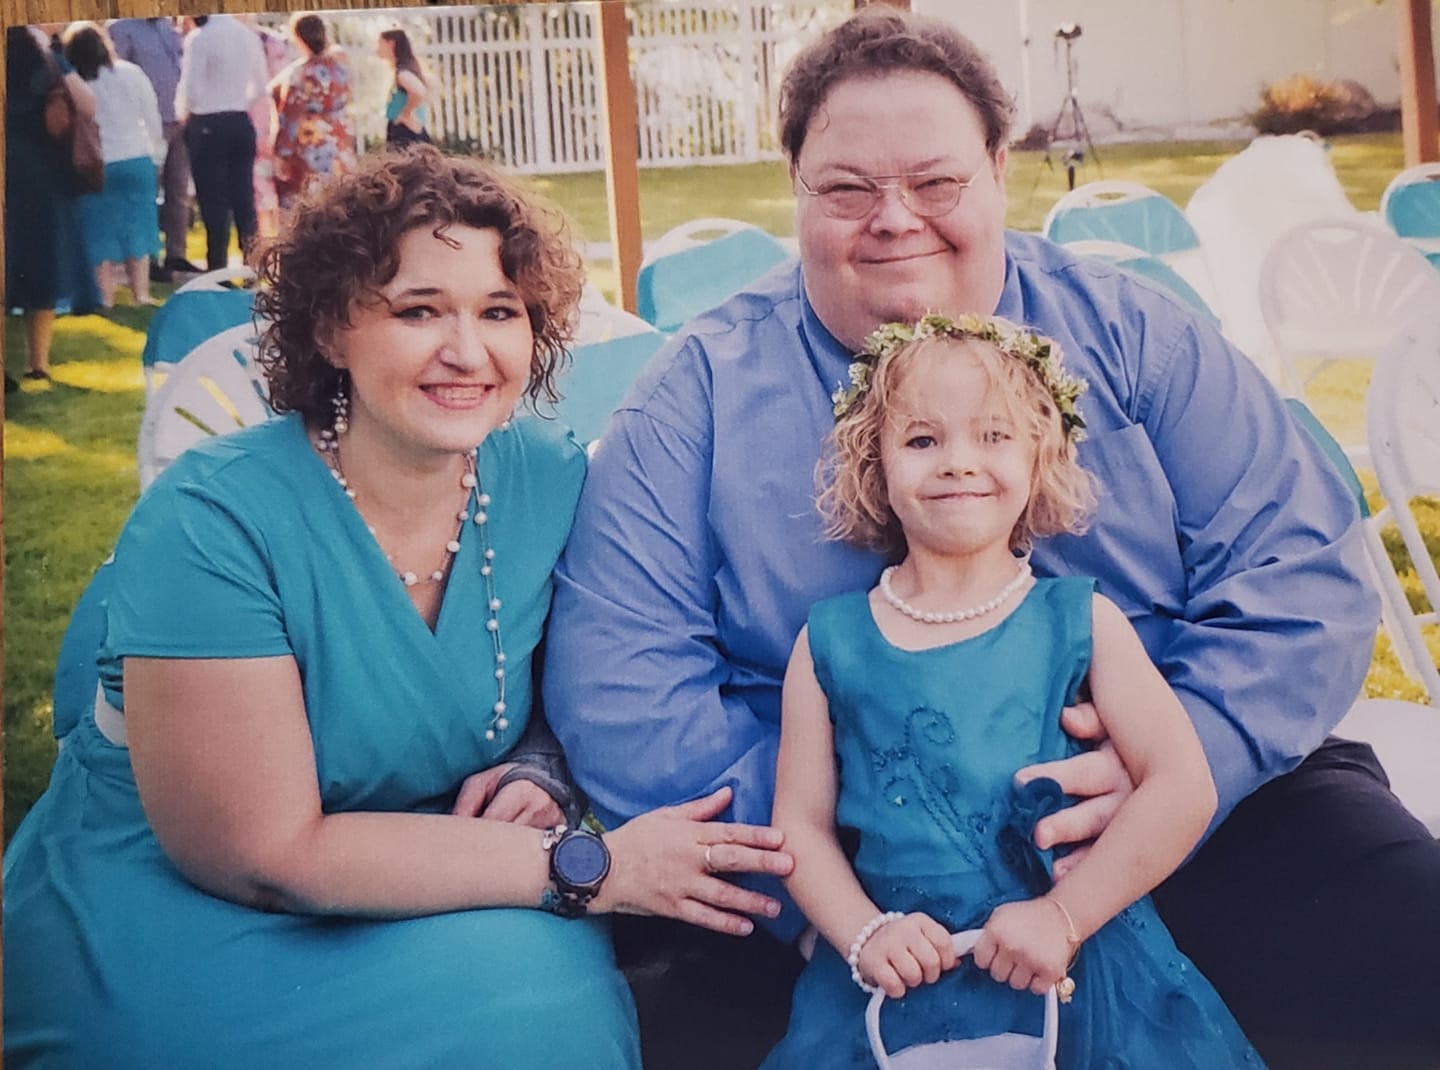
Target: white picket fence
{"points": [[520, 83]]}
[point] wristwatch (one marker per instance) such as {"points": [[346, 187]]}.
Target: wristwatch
{"points": [[579, 861]]}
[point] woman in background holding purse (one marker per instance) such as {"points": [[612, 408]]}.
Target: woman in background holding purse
{"points": [[45, 266], [119, 220]]}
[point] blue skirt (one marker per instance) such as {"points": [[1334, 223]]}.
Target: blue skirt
{"points": [[121, 221]]}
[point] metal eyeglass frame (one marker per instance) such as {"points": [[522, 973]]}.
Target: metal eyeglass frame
{"points": [[903, 191]]}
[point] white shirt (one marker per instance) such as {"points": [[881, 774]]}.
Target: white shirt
{"points": [[128, 114], [222, 69]]}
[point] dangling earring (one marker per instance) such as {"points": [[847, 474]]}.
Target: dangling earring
{"points": [[341, 404], [330, 436]]}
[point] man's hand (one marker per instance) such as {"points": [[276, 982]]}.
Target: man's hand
{"points": [[519, 802], [1097, 776]]}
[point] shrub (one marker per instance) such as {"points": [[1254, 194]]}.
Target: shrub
{"points": [[1303, 102]]}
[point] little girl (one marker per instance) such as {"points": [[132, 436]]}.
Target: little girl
{"points": [[406, 116], [908, 709]]}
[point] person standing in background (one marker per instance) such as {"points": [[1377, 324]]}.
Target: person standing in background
{"points": [[406, 117], [222, 70], [312, 100], [154, 45], [119, 220], [45, 268]]}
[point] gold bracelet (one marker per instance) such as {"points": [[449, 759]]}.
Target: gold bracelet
{"points": [[1065, 987]]}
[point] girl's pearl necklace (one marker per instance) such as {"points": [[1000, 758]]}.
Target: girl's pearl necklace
{"points": [[955, 615], [470, 480]]}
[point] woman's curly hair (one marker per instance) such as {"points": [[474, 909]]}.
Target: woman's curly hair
{"points": [[341, 245], [854, 498]]}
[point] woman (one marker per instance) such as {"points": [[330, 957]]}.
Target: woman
{"points": [[406, 117], [312, 101], [120, 223], [44, 257], [322, 633]]}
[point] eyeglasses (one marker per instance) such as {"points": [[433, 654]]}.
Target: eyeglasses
{"points": [[925, 193]]}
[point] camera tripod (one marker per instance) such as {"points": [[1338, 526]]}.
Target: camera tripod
{"points": [[1079, 128]]}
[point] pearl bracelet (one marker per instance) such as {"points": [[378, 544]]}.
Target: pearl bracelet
{"points": [[869, 929]]}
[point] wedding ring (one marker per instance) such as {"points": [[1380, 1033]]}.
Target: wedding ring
{"points": [[709, 865]]}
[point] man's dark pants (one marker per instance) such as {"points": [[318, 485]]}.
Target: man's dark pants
{"points": [[222, 161], [1314, 909], [175, 190]]}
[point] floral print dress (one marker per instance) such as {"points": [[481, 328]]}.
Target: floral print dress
{"points": [[312, 133]]}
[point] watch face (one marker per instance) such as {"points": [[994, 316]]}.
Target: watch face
{"points": [[581, 860]]}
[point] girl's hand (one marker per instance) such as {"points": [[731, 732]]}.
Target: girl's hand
{"points": [[906, 953], [669, 862], [1025, 945], [520, 802]]}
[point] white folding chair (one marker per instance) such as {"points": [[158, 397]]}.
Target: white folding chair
{"points": [[1134, 214], [1239, 212], [212, 391], [1334, 290], [1411, 206], [1403, 420], [207, 305]]}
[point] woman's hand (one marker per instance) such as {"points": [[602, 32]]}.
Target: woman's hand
{"points": [[1025, 945], [906, 953], [520, 802], [671, 861]]}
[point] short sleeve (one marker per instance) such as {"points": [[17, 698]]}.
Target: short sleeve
{"points": [[194, 579]]}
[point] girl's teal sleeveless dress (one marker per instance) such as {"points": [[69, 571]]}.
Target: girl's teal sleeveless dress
{"points": [[927, 743]]}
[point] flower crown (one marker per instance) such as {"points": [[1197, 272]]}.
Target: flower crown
{"points": [[1040, 354]]}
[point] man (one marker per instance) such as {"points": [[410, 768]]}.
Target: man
{"points": [[221, 71], [154, 45], [1223, 533]]}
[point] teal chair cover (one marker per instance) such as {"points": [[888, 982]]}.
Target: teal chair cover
{"points": [[1155, 224], [597, 380], [1326, 441], [673, 288]]}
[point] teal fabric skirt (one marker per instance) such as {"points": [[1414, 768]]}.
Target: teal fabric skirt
{"points": [[113, 959]]}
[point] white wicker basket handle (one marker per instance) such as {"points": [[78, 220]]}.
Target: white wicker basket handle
{"points": [[964, 943]]}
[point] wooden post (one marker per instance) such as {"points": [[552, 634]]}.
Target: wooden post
{"points": [[1418, 115], [622, 172]]}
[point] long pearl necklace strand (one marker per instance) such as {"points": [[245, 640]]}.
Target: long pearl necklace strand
{"points": [[470, 479], [959, 614]]}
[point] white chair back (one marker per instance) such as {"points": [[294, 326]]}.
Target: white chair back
{"points": [[1403, 420], [1411, 207], [1340, 290], [209, 393], [1241, 210]]}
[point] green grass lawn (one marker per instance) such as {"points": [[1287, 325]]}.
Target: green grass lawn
{"points": [[70, 474]]}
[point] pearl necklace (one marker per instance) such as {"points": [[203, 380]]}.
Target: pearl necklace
{"points": [[470, 480], [959, 614]]}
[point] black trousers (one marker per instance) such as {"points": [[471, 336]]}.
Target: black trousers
{"points": [[222, 162], [1314, 910]]}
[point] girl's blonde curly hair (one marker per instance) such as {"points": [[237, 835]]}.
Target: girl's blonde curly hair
{"points": [[854, 500]]}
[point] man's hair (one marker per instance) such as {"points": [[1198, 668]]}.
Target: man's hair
{"points": [[341, 245], [881, 40], [854, 498]]}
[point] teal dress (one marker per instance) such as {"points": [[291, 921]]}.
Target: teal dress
{"points": [[247, 547], [926, 743]]}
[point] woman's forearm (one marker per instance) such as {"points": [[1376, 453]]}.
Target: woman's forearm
{"points": [[388, 865]]}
